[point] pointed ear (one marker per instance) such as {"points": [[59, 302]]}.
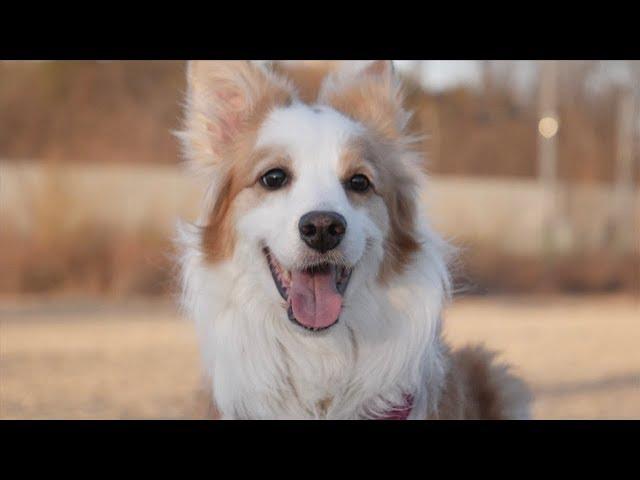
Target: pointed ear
{"points": [[225, 100], [382, 69], [369, 92]]}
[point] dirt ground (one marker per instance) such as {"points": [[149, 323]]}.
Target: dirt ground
{"points": [[95, 359]]}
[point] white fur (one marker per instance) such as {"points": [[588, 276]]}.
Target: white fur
{"points": [[261, 365]]}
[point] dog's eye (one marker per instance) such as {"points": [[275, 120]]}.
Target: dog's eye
{"points": [[359, 183], [274, 178]]}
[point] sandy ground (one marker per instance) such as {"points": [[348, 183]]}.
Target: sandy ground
{"points": [[84, 359]]}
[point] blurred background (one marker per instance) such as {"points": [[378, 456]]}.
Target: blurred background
{"points": [[535, 177]]}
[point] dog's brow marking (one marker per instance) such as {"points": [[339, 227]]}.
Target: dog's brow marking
{"points": [[370, 155], [243, 96], [354, 160], [266, 158]]}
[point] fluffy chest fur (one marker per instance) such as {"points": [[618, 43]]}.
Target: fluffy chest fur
{"points": [[259, 365]]}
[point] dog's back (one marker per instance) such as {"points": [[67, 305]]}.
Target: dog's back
{"points": [[477, 387]]}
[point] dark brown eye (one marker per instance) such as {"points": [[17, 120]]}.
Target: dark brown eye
{"points": [[274, 179], [359, 183]]}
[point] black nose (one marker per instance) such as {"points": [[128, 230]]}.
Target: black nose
{"points": [[322, 231]]}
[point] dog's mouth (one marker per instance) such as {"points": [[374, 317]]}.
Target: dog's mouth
{"points": [[314, 294]]}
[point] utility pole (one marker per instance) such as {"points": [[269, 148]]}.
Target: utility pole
{"points": [[627, 129], [635, 71], [548, 126], [487, 77], [416, 71]]}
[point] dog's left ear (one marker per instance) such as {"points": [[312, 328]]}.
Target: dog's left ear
{"points": [[368, 92]]}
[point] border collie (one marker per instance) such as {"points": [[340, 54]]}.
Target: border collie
{"points": [[314, 280]]}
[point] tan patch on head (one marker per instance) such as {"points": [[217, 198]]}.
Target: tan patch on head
{"points": [[227, 103], [355, 158], [240, 192], [357, 103], [242, 95], [391, 180], [372, 97]]}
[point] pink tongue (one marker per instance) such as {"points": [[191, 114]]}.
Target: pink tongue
{"points": [[315, 300]]}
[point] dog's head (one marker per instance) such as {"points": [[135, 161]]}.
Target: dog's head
{"points": [[322, 192]]}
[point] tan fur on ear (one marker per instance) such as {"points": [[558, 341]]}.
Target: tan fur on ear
{"points": [[381, 68], [226, 104], [370, 93], [224, 99]]}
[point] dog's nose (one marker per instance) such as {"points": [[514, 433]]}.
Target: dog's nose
{"points": [[322, 231]]}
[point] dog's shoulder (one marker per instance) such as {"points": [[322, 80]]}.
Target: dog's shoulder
{"points": [[479, 387]]}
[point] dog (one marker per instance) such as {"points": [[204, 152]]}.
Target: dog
{"points": [[312, 275]]}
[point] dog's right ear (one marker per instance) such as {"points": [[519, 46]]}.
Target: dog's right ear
{"points": [[225, 102]]}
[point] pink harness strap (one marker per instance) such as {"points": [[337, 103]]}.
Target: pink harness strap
{"points": [[400, 413]]}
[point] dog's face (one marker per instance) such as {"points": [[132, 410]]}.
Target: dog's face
{"points": [[318, 212], [322, 191]]}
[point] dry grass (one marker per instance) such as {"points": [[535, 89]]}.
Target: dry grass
{"points": [[91, 259], [488, 270], [102, 230], [123, 111], [87, 111], [139, 360], [108, 228]]}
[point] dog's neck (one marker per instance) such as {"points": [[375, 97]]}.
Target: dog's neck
{"points": [[385, 347]]}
